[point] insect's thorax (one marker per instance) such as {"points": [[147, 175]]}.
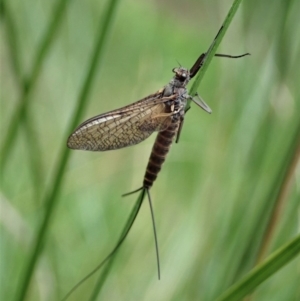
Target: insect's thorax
{"points": [[177, 87]]}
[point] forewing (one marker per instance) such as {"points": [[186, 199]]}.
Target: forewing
{"points": [[123, 127]]}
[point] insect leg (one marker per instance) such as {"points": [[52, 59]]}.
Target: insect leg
{"points": [[180, 127], [201, 103]]}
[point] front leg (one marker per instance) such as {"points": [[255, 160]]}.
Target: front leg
{"points": [[201, 103], [179, 128]]}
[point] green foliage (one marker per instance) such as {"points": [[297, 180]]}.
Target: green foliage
{"points": [[227, 196]]}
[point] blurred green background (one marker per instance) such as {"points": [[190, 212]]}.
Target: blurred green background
{"points": [[215, 197]]}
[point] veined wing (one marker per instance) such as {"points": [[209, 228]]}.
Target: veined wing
{"points": [[122, 127]]}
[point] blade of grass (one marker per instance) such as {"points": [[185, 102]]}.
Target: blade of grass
{"points": [[12, 41], [279, 190], [265, 221], [110, 256], [210, 54], [31, 139], [29, 83], [126, 229], [226, 23], [51, 197], [196, 83], [259, 274]]}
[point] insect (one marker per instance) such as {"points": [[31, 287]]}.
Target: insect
{"points": [[161, 112]]}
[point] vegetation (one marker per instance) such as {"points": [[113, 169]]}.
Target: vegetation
{"points": [[228, 194]]}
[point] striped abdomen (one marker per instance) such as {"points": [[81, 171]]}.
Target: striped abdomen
{"points": [[159, 151]]}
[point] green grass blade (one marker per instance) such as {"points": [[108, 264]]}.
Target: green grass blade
{"points": [[211, 53], [259, 274], [226, 23], [12, 41], [52, 195], [222, 181], [110, 257], [102, 278], [29, 83], [31, 139], [277, 192]]}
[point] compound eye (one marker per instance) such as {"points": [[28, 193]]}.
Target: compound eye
{"points": [[182, 77]]}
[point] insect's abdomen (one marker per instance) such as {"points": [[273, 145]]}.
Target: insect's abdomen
{"points": [[159, 151]]}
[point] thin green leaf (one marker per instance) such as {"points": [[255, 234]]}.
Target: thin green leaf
{"points": [[29, 83], [15, 61], [212, 51], [111, 256], [51, 197], [102, 278], [226, 23], [263, 271]]}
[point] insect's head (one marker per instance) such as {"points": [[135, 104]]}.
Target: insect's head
{"points": [[182, 75]]}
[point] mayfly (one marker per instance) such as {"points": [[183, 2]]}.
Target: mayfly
{"points": [[161, 112]]}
